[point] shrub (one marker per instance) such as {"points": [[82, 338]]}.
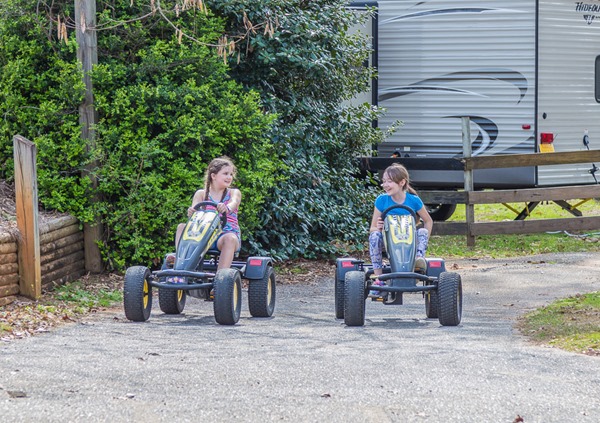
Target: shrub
{"points": [[307, 68], [165, 110]]}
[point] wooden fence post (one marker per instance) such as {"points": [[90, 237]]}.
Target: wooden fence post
{"points": [[26, 199], [469, 207], [87, 53]]}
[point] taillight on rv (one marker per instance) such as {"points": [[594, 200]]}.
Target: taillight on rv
{"points": [[526, 127], [546, 142]]}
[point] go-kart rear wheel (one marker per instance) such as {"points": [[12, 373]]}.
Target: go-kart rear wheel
{"points": [[137, 294], [355, 295], [431, 304], [171, 301], [339, 297], [450, 298], [228, 296], [261, 295]]}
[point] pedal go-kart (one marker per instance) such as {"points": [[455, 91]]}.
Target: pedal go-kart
{"points": [[192, 271], [442, 290]]}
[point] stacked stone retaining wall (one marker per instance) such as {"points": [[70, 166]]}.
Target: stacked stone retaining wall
{"points": [[61, 256]]}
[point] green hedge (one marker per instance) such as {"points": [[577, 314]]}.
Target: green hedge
{"points": [[307, 69], [279, 108], [165, 110]]}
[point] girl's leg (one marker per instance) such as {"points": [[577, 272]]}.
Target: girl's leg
{"points": [[228, 244], [422, 241], [178, 234], [376, 251]]}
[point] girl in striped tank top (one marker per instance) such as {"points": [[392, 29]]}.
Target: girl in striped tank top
{"points": [[217, 188]]}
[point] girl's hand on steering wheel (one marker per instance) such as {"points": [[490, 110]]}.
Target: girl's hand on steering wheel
{"points": [[222, 208], [380, 224], [190, 211]]}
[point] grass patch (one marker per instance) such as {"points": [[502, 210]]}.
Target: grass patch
{"points": [[502, 246], [544, 210], [572, 324], [77, 292]]}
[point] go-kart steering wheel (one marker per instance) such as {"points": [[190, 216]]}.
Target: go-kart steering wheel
{"points": [[399, 206], [203, 204]]}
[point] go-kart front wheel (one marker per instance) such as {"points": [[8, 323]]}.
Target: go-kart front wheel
{"points": [[354, 298], [450, 299], [261, 295], [137, 294], [171, 301], [228, 296]]}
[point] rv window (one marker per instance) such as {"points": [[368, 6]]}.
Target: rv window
{"points": [[598, 79]]}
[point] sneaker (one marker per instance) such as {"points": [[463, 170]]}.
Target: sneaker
{"points": [[420, 265], [376, 294], [170, 260]]}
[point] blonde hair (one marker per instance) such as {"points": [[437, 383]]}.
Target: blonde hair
{"points": [[213, 167], [396, 172]]}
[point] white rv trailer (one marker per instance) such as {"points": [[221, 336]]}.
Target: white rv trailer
{"points": [[522, 70]]}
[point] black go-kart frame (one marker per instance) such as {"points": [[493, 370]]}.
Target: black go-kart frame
{"points": [[442, 290], [192, 271]]}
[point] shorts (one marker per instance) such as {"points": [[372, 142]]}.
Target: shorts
{"points": [[214, 246]]}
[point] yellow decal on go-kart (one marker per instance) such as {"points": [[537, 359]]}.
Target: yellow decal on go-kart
{"points": [[401, 228], [200, 224]]}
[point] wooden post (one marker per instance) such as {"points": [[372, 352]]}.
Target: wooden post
{"points": [[26, 199], [87, 54], [469, 207]]}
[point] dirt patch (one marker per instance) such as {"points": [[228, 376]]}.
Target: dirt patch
{"points": [[8, 210], [24, 318], [304, 271]]}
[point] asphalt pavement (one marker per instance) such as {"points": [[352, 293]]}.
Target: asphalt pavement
{"points": [[303, 365]]}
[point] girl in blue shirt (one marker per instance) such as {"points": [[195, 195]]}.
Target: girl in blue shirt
{"points": [[396, 184]]}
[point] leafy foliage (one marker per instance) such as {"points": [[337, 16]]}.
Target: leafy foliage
{"points": [[308, 68], [165, 110], [40, 92], [167, 104]]}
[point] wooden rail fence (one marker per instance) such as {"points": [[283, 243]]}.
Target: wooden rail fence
{"points": [[470, 197]]}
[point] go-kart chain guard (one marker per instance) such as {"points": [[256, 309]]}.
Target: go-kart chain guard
{"points": [[254, 268], [181, 286], [432, 282]]}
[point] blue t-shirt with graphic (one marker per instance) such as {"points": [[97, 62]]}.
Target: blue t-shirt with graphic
{"points": [[385, 200]]}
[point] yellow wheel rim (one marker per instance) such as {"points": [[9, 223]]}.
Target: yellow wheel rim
{"points": [[146, 292], [269, 291], [179, 294], [235, 295]]}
